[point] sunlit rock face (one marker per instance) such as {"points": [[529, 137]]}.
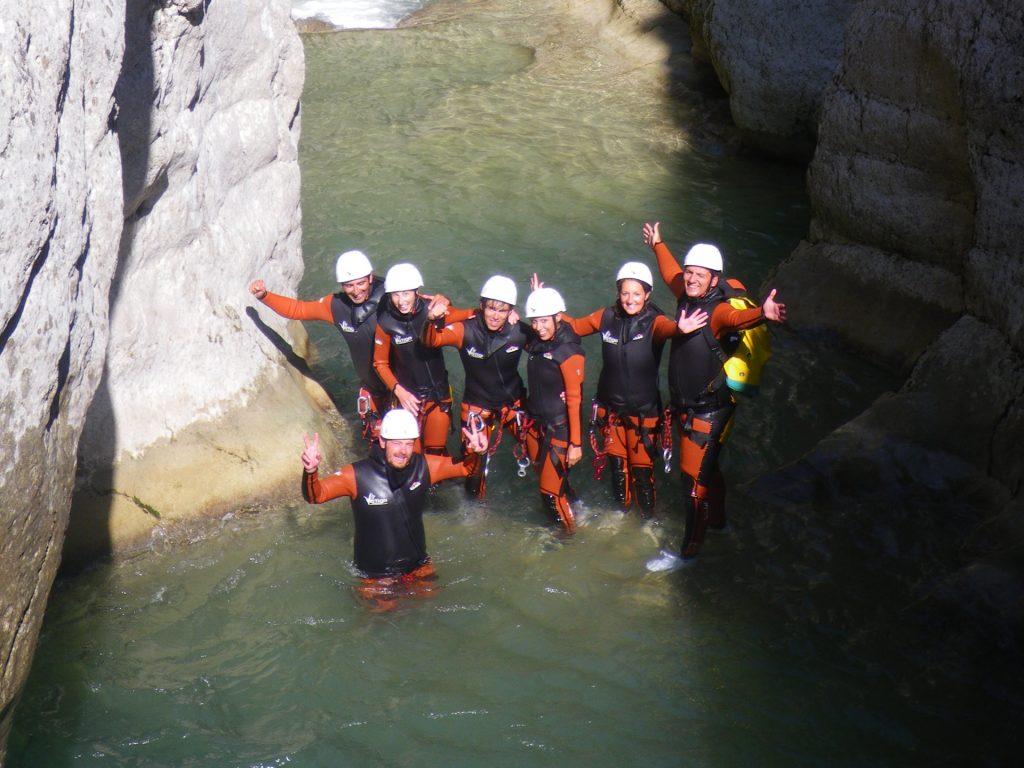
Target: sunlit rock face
{"points": [[148, 171]]}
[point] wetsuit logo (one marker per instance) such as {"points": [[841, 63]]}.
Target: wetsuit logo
{"points": [[374, 501], [345, 327], [473, 352], [607, 338], [403, 339], [415, 485], [513, 348], [637, 337]]}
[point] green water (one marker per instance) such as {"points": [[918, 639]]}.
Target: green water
{"points": [[500, 139]]}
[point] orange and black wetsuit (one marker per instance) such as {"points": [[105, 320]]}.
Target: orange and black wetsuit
{"points": [[554, 370], [494, 390], [387, 506], [357, 324], [628, 401], [701, 401], [400, 357]]}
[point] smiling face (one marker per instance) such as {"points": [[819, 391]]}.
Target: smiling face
{"points": [[404, 301], [398, 453], [495, 313], [697, 281], [633, 296], [358, 290], [545, 327]]}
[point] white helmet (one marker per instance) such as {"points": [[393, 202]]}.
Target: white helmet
{"points": [[402, 277], [704, 255], [399, 424], [352, 265], [500, 288], [544, 302], [635, 270]]}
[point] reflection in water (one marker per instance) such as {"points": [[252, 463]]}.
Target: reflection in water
{"points": [[502, 139]]}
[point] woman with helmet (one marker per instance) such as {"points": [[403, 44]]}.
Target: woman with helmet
{"points": [[414, 374], [702, 403], [554, 370], [490, 345], [627, 407], [388, 491], [353, 311]]}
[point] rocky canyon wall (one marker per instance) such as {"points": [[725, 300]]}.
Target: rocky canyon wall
{"points": [[148, 171], [915, 258]]}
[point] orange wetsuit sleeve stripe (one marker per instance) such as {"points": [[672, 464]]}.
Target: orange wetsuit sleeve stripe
{"points": [[664, 328], [727, 318], [670, 270], [584, 326], [452, 335], [341, 483], [572, 376], [445, 468], [382, 358], [300, 310]]}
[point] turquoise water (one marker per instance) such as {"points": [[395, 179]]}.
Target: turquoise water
{"points": [[499, 137]]}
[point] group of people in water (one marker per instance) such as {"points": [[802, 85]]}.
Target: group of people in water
{"points": [[395, 334]]}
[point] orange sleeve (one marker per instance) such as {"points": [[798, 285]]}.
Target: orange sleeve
{"points": [[341, 483], [451, 335], [456, 315], [445, 468], [664, 328], [572, 376], [670, 270], [727, 318], [584, 326], [294, 309], [382, 358]]}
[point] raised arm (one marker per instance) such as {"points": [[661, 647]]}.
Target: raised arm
{"points": [[317, 491], [291, 308], [669, 268]]}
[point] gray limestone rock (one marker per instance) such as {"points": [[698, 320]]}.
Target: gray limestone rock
{"points": [[148, 168]]}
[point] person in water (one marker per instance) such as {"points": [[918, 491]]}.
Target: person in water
{"points": [[702, 403], [627, 408], [353, 311], [490, 345], [555, 371], [415, 374], [388, 490]]}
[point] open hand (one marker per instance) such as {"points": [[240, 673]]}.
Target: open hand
{"points": [[652, 233], [692, 322], [773, 310], [407, 400]]}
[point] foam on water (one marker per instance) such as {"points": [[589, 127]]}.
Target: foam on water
{"points": [[356, 14]]}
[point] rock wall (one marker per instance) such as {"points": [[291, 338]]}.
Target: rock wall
{"points": [[915, 257], [60, 233], [774, 58], [148, 170]]}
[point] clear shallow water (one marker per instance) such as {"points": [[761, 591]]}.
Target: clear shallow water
{"points": [[500, 138]]}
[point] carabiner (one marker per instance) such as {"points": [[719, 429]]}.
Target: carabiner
{"points": [[524, 464], [666, 456]]}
